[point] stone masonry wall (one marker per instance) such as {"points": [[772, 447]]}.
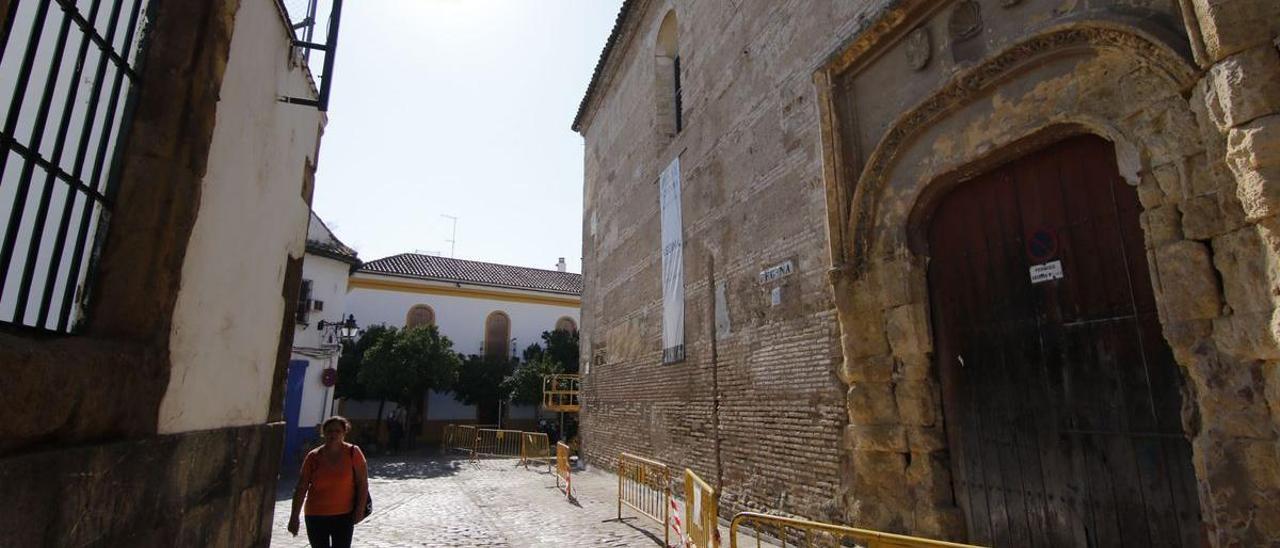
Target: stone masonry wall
{"points": [[751, 177]]}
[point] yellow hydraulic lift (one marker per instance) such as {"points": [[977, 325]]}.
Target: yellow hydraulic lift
{"points": [[560, 394]]}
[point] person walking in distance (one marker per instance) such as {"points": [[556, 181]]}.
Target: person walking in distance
{"points": [[335, 483]]}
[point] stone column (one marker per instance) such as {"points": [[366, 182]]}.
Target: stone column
{"points": [[1236, 389]]}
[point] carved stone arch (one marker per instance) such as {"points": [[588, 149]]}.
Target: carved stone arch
{"points": [[1173, 73], [1017, 100]]}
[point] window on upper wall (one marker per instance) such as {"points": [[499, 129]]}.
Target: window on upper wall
{"points": [[666, 70], [566, 324], [420, 314], [497, 335], [304, 301], [68, 98]]}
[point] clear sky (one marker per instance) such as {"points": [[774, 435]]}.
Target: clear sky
{"points": [[462, 108]]}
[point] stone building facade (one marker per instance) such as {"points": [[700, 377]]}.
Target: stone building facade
{"points": [[822, 148], [154, 418]]}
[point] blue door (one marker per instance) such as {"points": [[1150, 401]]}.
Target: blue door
{"points": [[292, 408]]}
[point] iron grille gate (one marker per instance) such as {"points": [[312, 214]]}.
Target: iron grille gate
{"points": [[68, 71]]}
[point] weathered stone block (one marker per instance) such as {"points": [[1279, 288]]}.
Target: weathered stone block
{"points": [[1169, 178], [1271, 381], [1231, 398], [902, 281], [1248, 335], [914, 368], [1246, 86], [1162, 225], [1229, 26], [925, 439], [929, 476], [939, 522], [876, 437], [877, 369], [1253, 154], [1206, 217], [1187, 284], [1248, 277], [917, 402], [1149, 193], [879, 475], [907, 328], [872, 403]]}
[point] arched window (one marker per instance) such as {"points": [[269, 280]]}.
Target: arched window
{"points": [[497, 335], [420, 314], [666, 77], [566, 324]]}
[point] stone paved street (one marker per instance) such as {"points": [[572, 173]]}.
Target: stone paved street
{"points": [[447, 501]]}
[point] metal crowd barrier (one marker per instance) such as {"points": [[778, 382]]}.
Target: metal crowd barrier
{"points": [[460, 437], [826, 534], [496, 443], [535, 447], [562, 469], [645, 486], [701, 511]]}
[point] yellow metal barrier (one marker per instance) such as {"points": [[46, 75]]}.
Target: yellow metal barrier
{"points": [[825, 534], [701, 511], [534, 447], [560, 393], [562, 469], [460, 437], [496, 443], [645, 486]]}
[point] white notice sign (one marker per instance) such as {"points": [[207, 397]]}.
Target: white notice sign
{"points": [[1046, 272], [672, 264]]}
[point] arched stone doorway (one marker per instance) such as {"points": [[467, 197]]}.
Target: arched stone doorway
{"points": [[1061, 398], [1110, 77]]}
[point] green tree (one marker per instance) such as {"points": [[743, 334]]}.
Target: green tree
{"points": [[480, 384], [402, 365], [349, 362], [559, 355], [524, 385]]}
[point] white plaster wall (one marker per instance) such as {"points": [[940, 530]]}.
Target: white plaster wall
{"points": [[252, 218], [462, 320], [459, 318], [329, 284]]}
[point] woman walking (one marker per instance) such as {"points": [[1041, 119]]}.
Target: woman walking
{"points": [[335, 482]]}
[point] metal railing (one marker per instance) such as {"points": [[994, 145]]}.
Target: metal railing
{"points": [[813, 533], [68, 77], [496, 443], [645, 486], [560, 393], [562, 469], [535, 447], [460, 437], [701, 511]]}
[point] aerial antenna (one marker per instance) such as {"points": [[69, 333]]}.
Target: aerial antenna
{"points": [[453, 240]]}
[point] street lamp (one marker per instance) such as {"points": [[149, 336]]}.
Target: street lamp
{"points": [[346, 329]]}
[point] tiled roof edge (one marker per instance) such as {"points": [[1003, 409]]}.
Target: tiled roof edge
{"points": [[597, 77]]}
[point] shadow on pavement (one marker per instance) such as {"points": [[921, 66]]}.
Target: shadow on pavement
{"points": [[404, 466]]}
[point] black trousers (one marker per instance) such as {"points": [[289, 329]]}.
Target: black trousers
{"points": [[329, 531]]}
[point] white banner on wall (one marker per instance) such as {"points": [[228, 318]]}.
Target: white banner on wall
{"points": [[672, 265]]}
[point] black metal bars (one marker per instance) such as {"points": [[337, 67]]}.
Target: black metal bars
{"points": [[57, 58], [329, 48]]}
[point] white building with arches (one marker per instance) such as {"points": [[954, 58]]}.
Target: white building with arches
{"points": [[484, 308]]}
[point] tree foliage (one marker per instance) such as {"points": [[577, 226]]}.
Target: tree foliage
{"points": [[350, 360], [480, 381], [559, 355], [559, 346], [402, 365]]}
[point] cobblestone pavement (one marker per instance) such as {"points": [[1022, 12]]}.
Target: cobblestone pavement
{"points": [[445, 501]]}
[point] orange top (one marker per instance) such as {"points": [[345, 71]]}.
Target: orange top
{"points": [[331, 487]]}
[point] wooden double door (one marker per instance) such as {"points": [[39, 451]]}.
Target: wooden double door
{"points": [[1061, 397]]}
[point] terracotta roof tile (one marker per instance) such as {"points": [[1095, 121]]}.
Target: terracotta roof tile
{"points": [[430, 267]]}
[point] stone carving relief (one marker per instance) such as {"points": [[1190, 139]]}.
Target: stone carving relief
{"points": [[919, 48], [965, 21]]}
